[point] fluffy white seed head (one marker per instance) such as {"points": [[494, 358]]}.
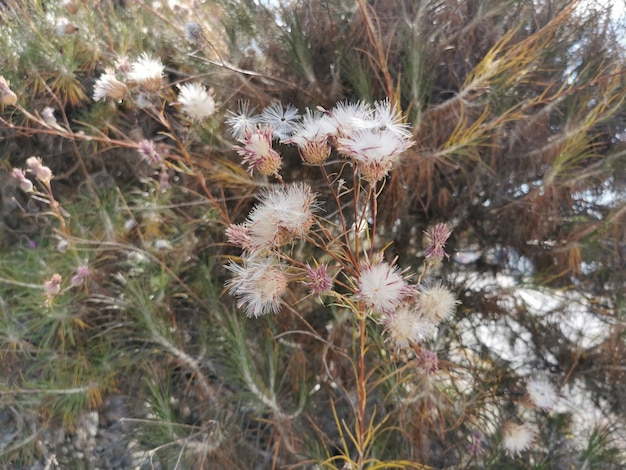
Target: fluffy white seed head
{"points": [[282, 120], [259, 285], [436, 301], [196, 101], [516, 437], [147, 72], [382, 287], [407, 325], [108, 86], [243, 121], [541, 393], [283, 215]]}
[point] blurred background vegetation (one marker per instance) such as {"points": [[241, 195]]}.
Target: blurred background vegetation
{"points": [[518, 112]]}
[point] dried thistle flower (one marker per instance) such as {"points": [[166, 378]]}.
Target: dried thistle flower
{"points": [[123, 64], [65, 28], [7, 97], [317, 280], [516, 437], [257, 152], [374, 151], [243, 121], [82, 273], [258, 284], [406, 324], [42, 173], [311, 137], [239, 235], [148, 151], [436, 238], [24, 183], [281, 119], [427, 361], [541, 393], [108, 86], [197, 103], [52, 286], [436, 301], [147, 72], [283, 215], [382, 287]]}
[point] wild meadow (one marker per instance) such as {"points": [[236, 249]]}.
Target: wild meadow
{"points": [[312, 234]]}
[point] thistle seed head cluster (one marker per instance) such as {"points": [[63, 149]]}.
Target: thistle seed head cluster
{"points": [[145, 76], [372, 138]]}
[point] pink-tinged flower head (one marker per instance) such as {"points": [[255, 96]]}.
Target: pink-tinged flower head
{"points": [[42, 173], [311, 137], [239, 235], [318, 280], [283, 215], [243, 121], [82, 273], [7, 97], [436, 238], [52, 286], [108, 86], [259, 285], [541, 393], [257, 152], [382, 287], [374, 151], [427, 361], [477, 444], [436, 301], [147, 72], [147, 149], [197, 102], [516, 437], [407, 325], [25, 184]]}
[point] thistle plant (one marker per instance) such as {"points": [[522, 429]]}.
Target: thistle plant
{"points": [[121, 186], [289, 242]]}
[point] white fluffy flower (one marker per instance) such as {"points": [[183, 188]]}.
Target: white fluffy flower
{"points": [[348, 117], [541, 393], [382, 287], [197, 103], [258, 284], [407, 325], [374, 151], [257, 152], [243, 121], [281, 119], [436, 301], [516, 437], [283, 215], [311, 137], [387, 117], [147, 72], [108, 86]]}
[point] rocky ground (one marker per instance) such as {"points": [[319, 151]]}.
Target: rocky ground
{"points": [[100, 440]]}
